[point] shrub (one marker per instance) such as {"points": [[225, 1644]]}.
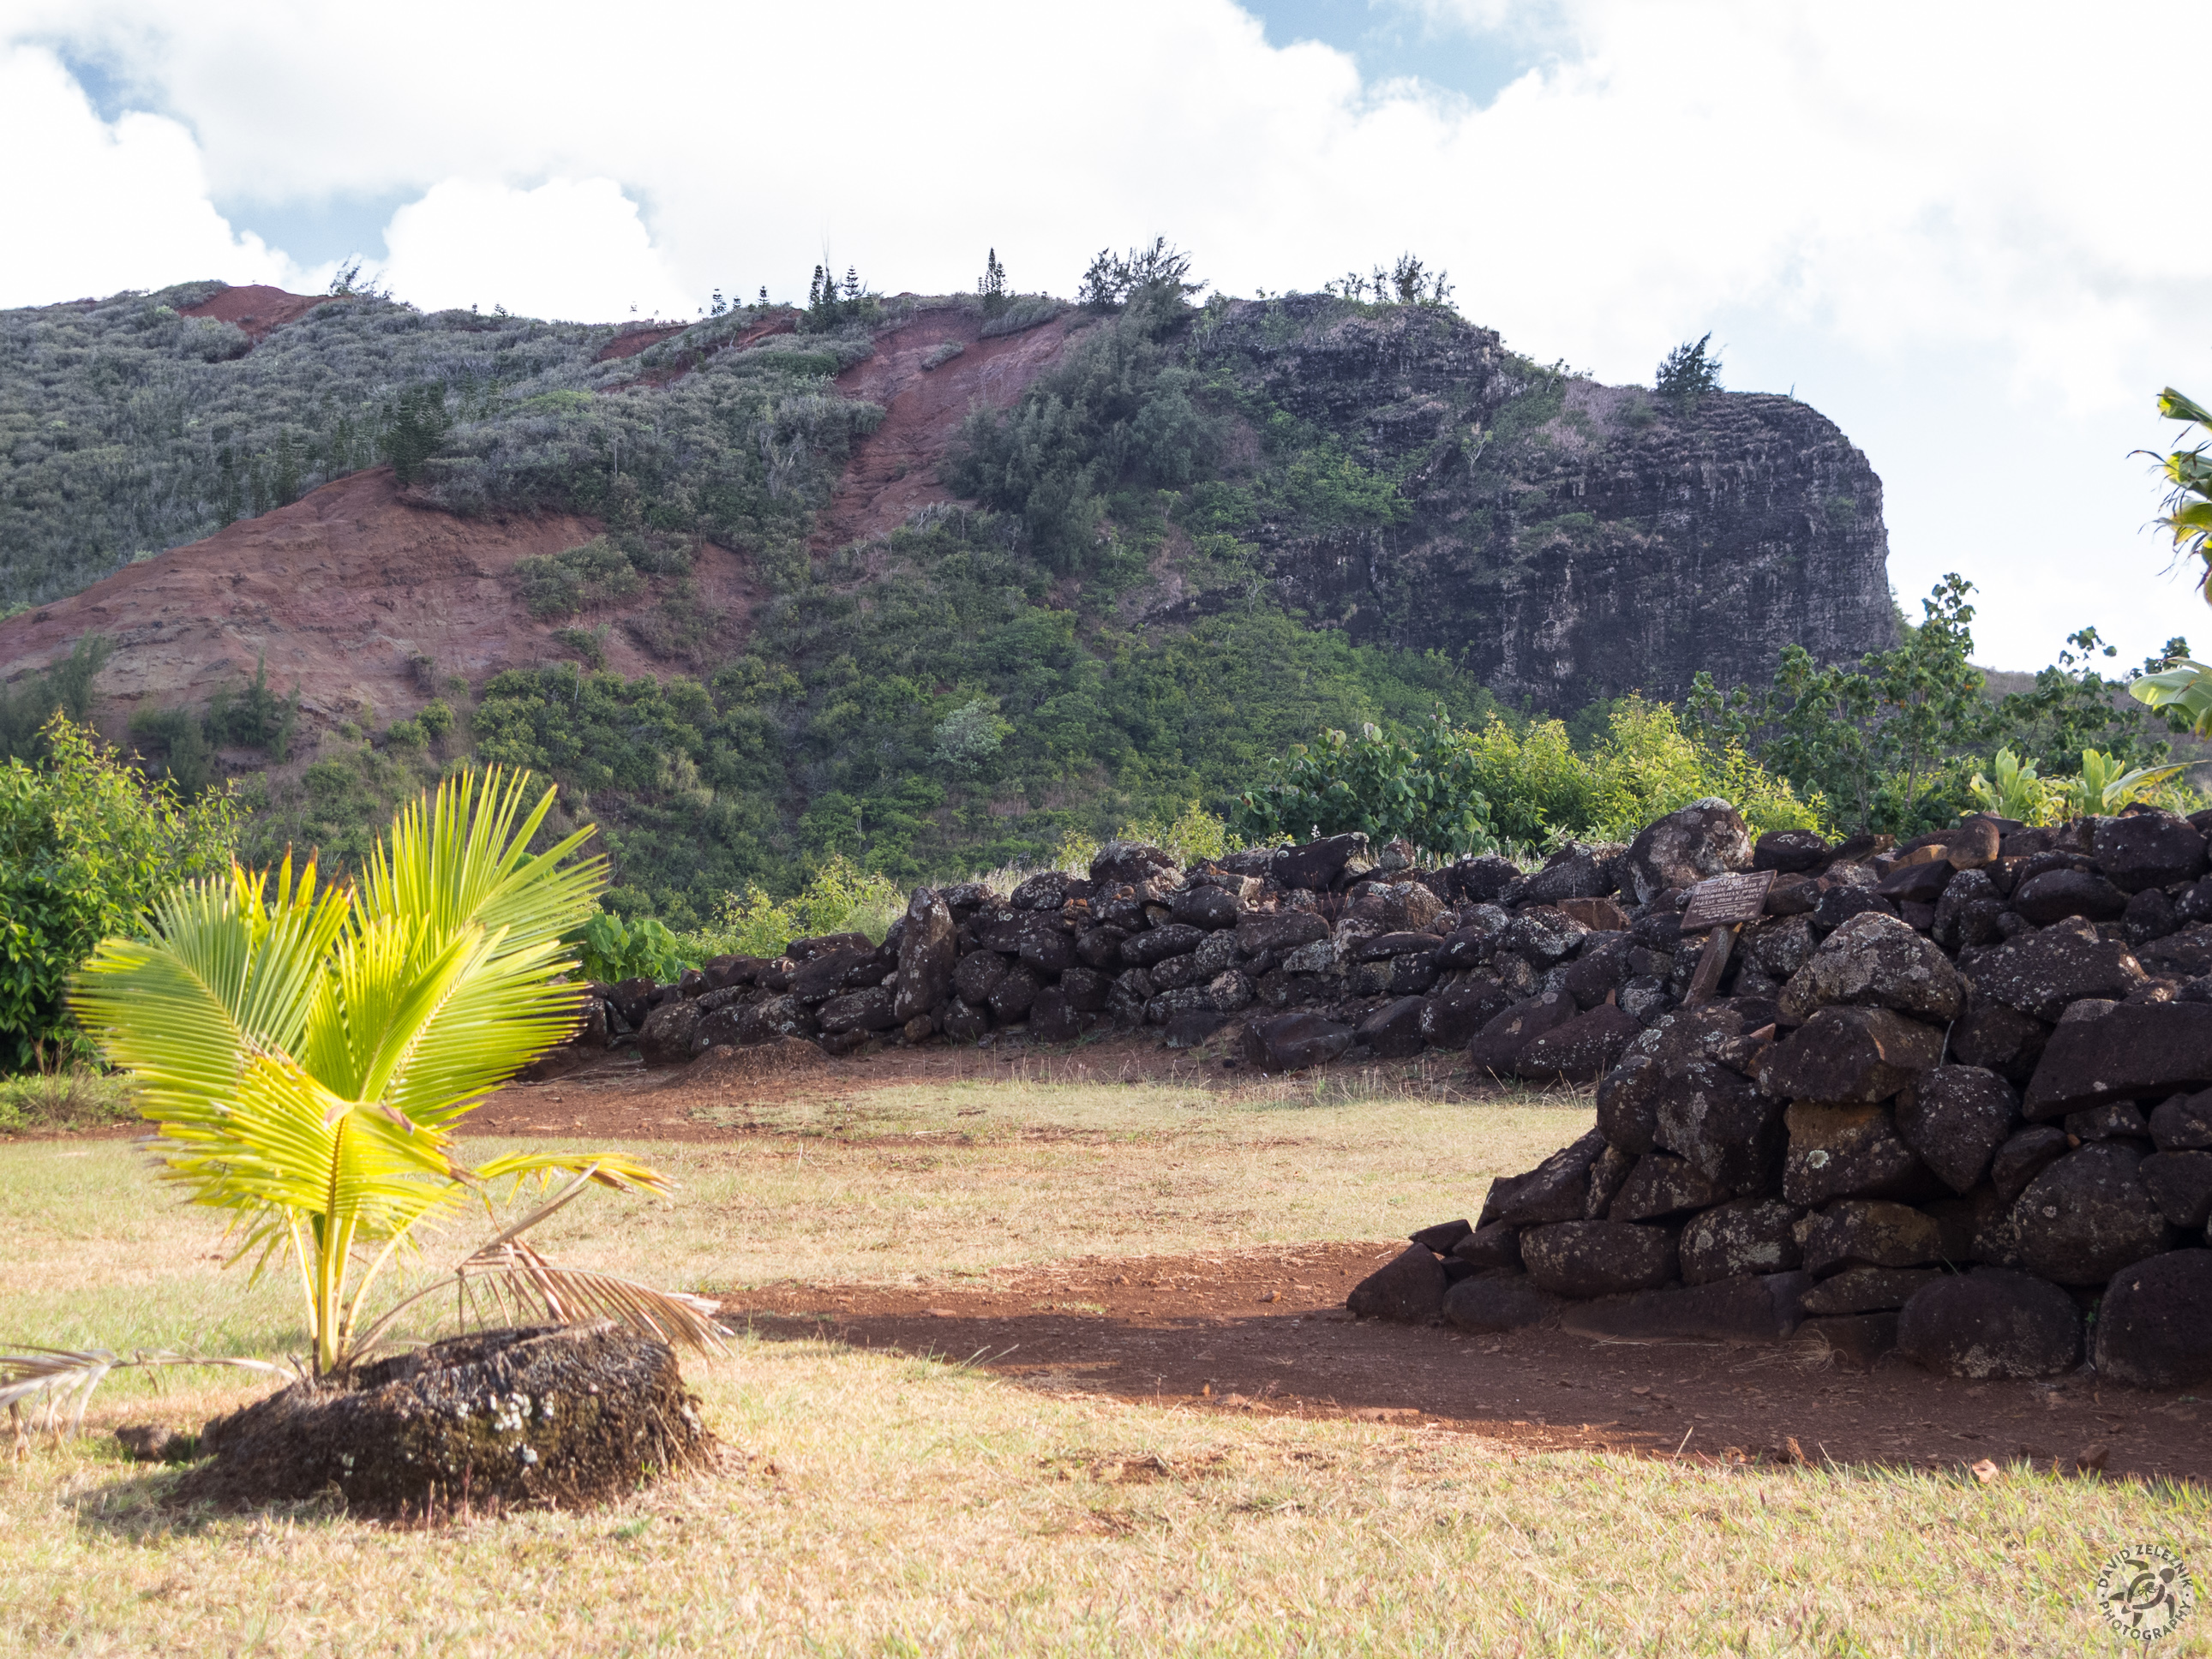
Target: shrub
{"points": [[1423, 789], [1688, 372], [1022, 312], [839, 899], [87, 844]]}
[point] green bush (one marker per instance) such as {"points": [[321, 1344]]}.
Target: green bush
{"points": [[86, 845], [1423, 788], [839, 898]]}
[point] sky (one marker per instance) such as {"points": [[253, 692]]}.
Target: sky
{"points": [[1951, 229]]}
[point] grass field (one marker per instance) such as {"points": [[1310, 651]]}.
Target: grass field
{"points": [[880, 1505]]}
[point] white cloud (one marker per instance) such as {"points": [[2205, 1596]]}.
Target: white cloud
{"points": [[1966, 209], [88, 207], [567, 249]]}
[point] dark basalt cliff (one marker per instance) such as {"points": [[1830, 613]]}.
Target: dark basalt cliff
{"points": [[1561, 539]]}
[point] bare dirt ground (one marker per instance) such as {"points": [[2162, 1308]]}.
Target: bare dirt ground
{"points": [[341, 590], [893, 471], [1267, 1332], [256, 308]]}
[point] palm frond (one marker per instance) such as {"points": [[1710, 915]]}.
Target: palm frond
{"points": [[578, 1295], [63, 1379]]}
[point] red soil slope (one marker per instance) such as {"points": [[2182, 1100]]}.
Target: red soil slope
{"points": [[342, 590], [257, 308], [894, 470]]}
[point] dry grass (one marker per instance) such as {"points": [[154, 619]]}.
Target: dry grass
{"points": [[886, 1505]]}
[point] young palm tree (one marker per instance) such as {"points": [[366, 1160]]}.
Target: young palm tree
{"points": [[305, 1051]]}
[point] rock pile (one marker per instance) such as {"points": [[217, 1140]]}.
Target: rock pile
{"points": [[1952, 1100]]}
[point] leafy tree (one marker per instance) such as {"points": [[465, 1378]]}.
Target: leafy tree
{"points": [[1112, 281], [1423, 789], [1689, 372], [306, 1050], [86, 846], [64, 689]]}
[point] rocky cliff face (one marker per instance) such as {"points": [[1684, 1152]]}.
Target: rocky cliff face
{"points": [[1562, 540]]}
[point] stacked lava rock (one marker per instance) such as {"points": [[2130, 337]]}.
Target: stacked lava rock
{"points": [[1954, 1102]]}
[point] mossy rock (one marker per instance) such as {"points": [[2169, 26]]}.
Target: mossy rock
{"points": [[545, 1417]]}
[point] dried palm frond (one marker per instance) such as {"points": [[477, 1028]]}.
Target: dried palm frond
{"points": [[63, 1379]]}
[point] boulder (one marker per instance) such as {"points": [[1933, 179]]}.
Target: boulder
{"points": [[2144, 850], [1579, 870], [871, 1010], [1991, 1323], [927, 954], [1206, 908], [1851, 1151], [1048, 890], [1778, 945], [1874, 961], [1445, 1236], [1555, 1190], [1791, 852], [1598, 1258], [1052, 1019], [1451, 1018], [2043, 973], [2133, 1050], [1499, 1300], [1497, 1245], [1628, 1096], [1955, 1117], [1394, 1031], [1409, 1289], [2154, 1324], [1999, 1039], [1870, 1231], [1086, 989], [962, 1022], [976, 973], [1396, 906], [2180, 1184], [2088, 1215], [665, 1039], [1717, 1119], [2058, 894], [1849, 1054], [1133, 861], [2024, 1155], [1011, 997], [1607, 1175], [1869, 1290], [1292, 1043], [1752, 1236], [2183, 1123], [1541, 936], [774, 1019], [1155, 944], [1594, 975], [1967, 913], [1316, 865], [2184, 955], [1661, 1184], [550, 1417], [1582, 1050], [1738, 1310], [1705, 839], [1497, 1047], [1921, 881], [1279, 931], [1837, 904]]}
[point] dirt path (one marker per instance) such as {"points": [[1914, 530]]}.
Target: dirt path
{"points": [[1265, 1331]]}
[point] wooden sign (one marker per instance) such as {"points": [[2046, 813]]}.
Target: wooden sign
{"points": [[1727, 900]]}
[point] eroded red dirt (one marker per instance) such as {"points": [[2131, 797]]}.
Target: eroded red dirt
{"points": [[1265, 1330], [893, 471], [342, 590], [256, 308]]}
